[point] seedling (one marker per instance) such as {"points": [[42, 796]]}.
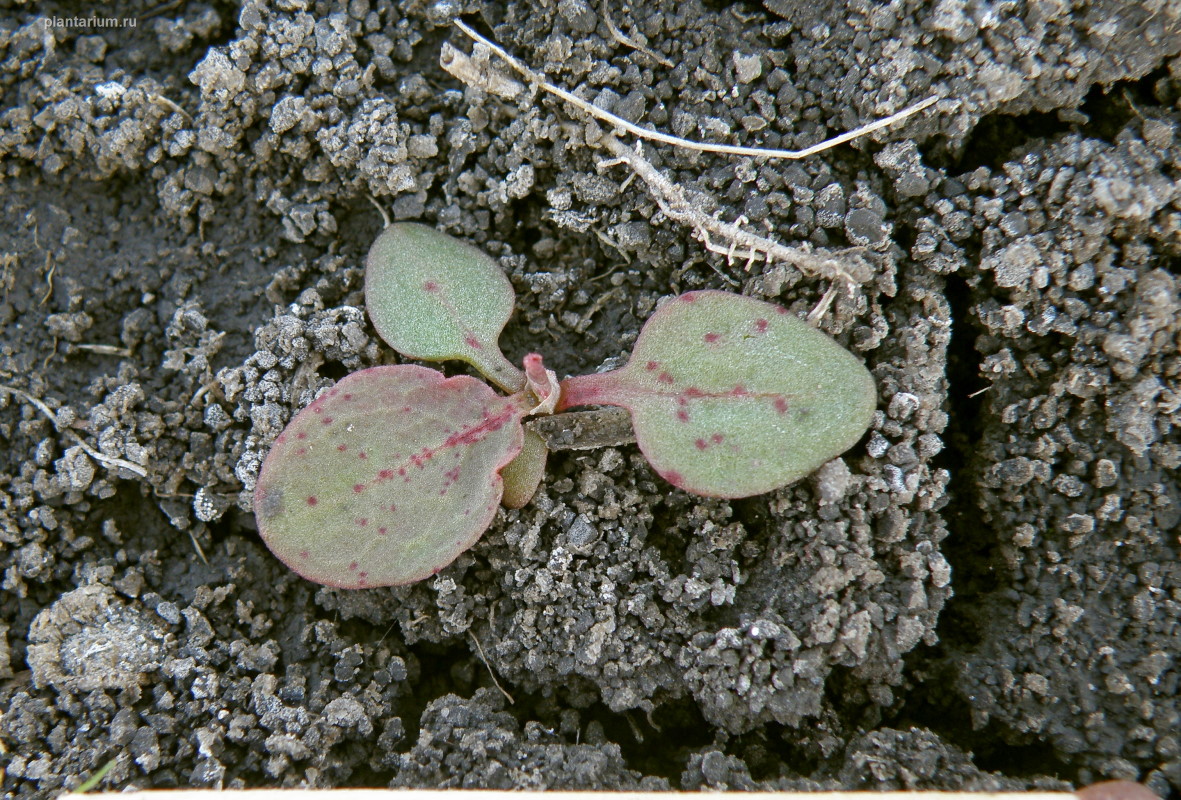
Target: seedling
{"points": [[391, 474]]}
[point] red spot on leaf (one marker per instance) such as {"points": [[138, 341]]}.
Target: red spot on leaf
{"points": [[472, 342], [401, 470], [761, 325], [693, 391], [303, 451], [304, 554], [342, 447], [683, 415], [738, 391], [282, 438], [780, 310], [362, 454], [664, 377], [689, 297], [383, 530], [781, 405], [716, 438], [353, 566], [358, 487], [318, 409], [651, 365], [673, 477], [361, 576], [710, 338], [362, 522], [431, 286], [301, 435], [347, 396], [701, 445], [326, 421], [385, 474]]}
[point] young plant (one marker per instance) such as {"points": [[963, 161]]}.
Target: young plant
{"points": [[391, 474]]}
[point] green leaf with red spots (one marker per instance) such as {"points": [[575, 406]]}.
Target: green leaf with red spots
{"points": [[387, 477], [731, 396], [434, 297]]}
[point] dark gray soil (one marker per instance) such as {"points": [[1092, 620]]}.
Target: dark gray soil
{"points": [[984, 593]]}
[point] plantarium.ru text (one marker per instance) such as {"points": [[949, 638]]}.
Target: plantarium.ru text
{"points": [[392, 473]]}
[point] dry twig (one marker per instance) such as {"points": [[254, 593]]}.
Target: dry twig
{"points": [[105, 349], [161, 100], [50, 268], [484, 658], [728, 239], [647, 133], [626, 40], [381, 210], [108, 461]]}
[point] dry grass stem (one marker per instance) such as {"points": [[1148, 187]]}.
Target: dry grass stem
{"points": [[108, 461], [105, 349], [484, 658], [161, 100], [726, 238], [503, 89], [381, 210], [474, 70], [50, 268], [627, 41]]}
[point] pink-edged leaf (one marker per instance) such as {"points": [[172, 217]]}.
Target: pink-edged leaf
{"points": [[731, 396], [386, 477], [434, 297]]}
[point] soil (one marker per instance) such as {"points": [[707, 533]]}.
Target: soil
{"points": [[985, 593]]}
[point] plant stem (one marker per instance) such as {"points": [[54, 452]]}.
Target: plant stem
{"points": [[498, 369], [589, 390]]}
